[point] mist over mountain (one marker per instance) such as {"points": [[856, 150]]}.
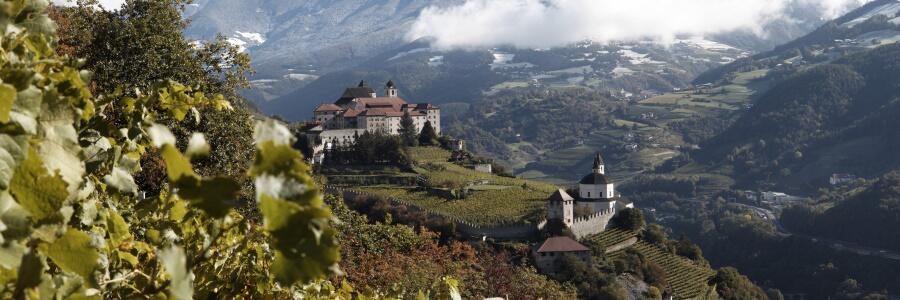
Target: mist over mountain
{"points": [[293, 43]]}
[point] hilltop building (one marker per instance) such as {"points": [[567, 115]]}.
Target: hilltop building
{"points": [[597, 201], [360, 110]]}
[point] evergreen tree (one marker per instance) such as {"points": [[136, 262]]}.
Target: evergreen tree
{"points": [[428, 137], [408, 132]]}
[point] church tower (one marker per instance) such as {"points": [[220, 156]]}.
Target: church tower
{"points": [[390, 90], [596, 186]]}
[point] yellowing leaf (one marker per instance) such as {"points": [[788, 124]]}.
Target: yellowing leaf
{"points": [[7, 97], [117, 228], [177, 166], [73, 253], [36, 190]]}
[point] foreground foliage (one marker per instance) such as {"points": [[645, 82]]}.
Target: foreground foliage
{"points": [[75, 223]]}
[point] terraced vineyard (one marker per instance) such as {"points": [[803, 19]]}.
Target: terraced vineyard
{"points": [[428, 154], [490, 200], [512, 205], [685, 279], [434, 167], [612, 237]]}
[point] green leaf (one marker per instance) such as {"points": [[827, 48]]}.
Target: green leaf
{"points": [[73, 252], [7, 97], [214, 196], [177, 166], [121, 181], [117, 228], [277, 159], [59, 147], [306, 247], [12, 151], [128, 257], [175, 263], [37, 191]]}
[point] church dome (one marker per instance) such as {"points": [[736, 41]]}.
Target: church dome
{"points": [[594, 178]]}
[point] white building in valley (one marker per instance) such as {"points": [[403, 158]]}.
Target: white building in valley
{"points": [[360, 108], [597, 203]]}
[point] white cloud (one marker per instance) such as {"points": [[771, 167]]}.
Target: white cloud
{"points": [[108, 4], [548, 23]]}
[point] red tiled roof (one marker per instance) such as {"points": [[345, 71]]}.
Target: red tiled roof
{"points": [[328, 107], [388, 112], [396, 102], [352, 113], [562, 244]]}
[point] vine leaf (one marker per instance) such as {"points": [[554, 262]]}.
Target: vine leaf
{"points": [[177, 166], [12, 151], [7, 94], [306, 247], [211, 195], [175, 263], [73, 252], [197, 146], [121, 181], [38, 192], [117, 228]]}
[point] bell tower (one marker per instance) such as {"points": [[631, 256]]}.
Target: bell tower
{"points": [[390, 90], [599, 166]]}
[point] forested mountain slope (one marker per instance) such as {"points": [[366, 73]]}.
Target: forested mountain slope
{"points": [[831, 118], [864, 217]]}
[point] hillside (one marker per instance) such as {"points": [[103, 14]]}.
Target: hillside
{"points": [[859, 216], [833, 118]]}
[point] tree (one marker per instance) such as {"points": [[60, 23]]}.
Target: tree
{"points": [[140, 44], [408, 131], [428, 137], [732, 285], [629, 219]]}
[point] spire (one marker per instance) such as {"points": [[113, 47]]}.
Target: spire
{"points": [[390, 83], [598, 164]]}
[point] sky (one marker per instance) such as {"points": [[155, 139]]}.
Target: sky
{"points": [[549, 23]]}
